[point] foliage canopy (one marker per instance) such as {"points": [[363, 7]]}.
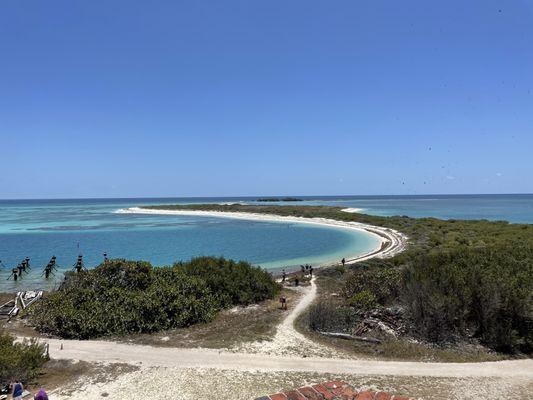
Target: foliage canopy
{"points": [[121, 297]]}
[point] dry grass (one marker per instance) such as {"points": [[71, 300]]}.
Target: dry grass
{"points": [[66, 374], [395, 349], [230, 328]]}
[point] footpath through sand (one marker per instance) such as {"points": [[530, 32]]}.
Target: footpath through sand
{"points": [[272, 356]]}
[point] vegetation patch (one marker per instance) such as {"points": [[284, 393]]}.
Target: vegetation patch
{"points": [[485, 293], [458, 281], [122, 297], [20, 360]]}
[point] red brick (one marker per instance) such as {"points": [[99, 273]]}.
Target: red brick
{"points": [[346, 393], [366, 395], [324, 392], [383, 396], [334, 384], [278, 396], [294, 395], [311, 393]]}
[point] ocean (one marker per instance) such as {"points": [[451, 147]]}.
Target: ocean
{"points": [[39, 229]]}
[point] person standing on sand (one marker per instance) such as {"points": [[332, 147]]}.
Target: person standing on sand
{"points": [[17, 390], [343, 261], [283, 276], [311, 271]]}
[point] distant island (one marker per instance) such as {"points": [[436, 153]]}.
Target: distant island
{"points": [[276, 199]]}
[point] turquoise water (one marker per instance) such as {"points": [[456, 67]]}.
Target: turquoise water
{"points": [[509, 207], [41, 228]]}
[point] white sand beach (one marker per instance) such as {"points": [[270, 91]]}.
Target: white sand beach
{"points": [[391, 242]]}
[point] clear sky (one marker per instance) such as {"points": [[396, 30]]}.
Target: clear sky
{"points": [[121, 98]]}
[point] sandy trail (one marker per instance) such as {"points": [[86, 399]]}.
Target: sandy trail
{"points": [[288, 341], [147, 356], [279, 355]]}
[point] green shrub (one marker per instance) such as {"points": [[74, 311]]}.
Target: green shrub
{"points": [[231, 282], [486, 292], [363, 301], [121, 297], [383, 281], [20, 360], [331, 317]]}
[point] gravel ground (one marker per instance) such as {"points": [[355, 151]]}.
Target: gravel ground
{"points": [[188, 384]]}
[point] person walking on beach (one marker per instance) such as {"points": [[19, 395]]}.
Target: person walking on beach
{"points": [[311, 271], [283, 276], [18, 389], [343, 261]]}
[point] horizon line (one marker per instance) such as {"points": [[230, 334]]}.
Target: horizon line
{"points": [[263, 196]]}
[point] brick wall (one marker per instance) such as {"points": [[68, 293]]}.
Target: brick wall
{"points": [[332, 390]]}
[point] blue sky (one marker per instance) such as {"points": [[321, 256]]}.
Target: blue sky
{"points": [[223, 98]]}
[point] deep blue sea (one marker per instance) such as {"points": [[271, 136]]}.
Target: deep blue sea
{"points": [[41, 228]]}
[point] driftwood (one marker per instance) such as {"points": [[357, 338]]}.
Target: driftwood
{"points": [[371, 323], [8, 309], [346, 336]]}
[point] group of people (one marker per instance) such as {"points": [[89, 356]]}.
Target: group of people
{"points": [[17, 391], [306, 270]]}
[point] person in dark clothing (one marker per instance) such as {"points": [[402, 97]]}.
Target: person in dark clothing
{"points": [[343, 261], [18, 389]]}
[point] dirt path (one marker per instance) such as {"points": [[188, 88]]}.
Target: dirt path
{"points": [[289, 359], [147, 356], [288, 341], [283, 353]]}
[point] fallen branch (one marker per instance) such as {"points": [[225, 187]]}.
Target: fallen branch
{"points": [[346, 336]]}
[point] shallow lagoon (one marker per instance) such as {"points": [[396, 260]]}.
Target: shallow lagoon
{"points": [[40, 229]]}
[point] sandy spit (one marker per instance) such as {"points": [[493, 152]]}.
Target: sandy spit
{"points": [[394, 240]]}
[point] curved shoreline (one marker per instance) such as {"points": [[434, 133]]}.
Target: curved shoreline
{"points": [[391, 242]]}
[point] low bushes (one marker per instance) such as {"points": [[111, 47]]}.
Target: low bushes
{"points": [[19, 360], [331, 317], [373, 283], [121, 297], [484, 292], [229, 281]]}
